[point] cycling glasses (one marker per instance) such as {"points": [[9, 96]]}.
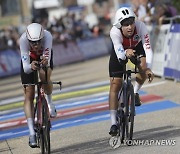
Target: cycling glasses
{"points": [[128, 21], [35, 42]]}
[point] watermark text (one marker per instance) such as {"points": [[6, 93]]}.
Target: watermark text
{"points": [[150, 142]]}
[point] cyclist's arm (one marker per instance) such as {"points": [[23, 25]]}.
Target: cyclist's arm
{"points": [[146, 43], [24, 49], [47, 48], [116, 38]]}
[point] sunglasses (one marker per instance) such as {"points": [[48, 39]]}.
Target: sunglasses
{"points": [[127, 22], [35, 42]]}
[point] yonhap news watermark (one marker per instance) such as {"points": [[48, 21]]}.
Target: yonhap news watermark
{"points": [[150, 142]]}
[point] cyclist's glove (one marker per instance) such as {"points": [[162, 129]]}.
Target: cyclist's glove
{"points": [[135, 60], [123, 62]]}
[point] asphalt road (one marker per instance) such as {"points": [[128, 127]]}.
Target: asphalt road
{"points": [[153, 129]]}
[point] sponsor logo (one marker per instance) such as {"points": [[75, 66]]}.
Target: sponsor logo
{"points": [[24, 58], [46, 53], [147, 41], [121, 50], [136, 37]]}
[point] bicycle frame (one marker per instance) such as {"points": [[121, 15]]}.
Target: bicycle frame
{"points": [[39, 101], [42, 117], [40, 105]]}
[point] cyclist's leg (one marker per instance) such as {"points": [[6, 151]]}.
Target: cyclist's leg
{"points": [[48, 87], [29, 92], [29, 107], [140, 77], [48, 90], [115, 85]]}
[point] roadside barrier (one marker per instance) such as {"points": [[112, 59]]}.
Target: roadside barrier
{"points": [[65, 54], [172, 53], [62, 54], [9, 63], [94, 47], [166, 47]]}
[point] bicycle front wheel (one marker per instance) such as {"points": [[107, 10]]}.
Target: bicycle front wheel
{"points": [[120, 116], [45, 133], [130, 113]]}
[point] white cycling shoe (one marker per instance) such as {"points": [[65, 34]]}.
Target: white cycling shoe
{"points": [[52, 110]]}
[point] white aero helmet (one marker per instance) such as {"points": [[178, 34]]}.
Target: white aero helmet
{"points": [[34, 32], [121, 14]]}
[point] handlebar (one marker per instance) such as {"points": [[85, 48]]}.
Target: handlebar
{"points": [[41, 83], [135, 60]]}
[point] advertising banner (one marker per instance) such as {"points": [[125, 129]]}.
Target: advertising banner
{"points": [[160, 44], [93, 47], [172, 67], [9, 62], [64, 54]]}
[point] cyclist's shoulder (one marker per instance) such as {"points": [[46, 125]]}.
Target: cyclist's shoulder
{"points": [[23, 39], [140, 25], [138, 22], [47, 34], [23, 36], [115, 31]]}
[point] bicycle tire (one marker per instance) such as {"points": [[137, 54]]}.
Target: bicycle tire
{"points": [[40, 126], [46, 147], [38, 117], [120, 117], [130, 112], [121, 126], [42, 141]]}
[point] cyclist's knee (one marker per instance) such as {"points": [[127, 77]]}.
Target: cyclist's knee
{"points": [[42, 75], [115, 84], [48, 89]]}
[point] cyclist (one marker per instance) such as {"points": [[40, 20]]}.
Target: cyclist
{"points": [[36, 49], [129, 37]]}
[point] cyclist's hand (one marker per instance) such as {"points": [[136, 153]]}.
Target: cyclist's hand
{"points": [[44, 61], [123, 62], [35, 65], [130, 53], [150, 75], [135, 60]]}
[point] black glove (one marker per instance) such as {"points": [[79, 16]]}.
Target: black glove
{"points": [[135, 60], [123, 62]]}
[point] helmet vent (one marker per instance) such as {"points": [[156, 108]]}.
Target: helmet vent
{"points": [[125, 12]]}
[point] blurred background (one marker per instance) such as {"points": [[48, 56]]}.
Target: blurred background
{"points": [[80, 30]]}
